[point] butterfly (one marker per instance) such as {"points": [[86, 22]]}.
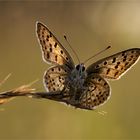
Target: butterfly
{"points": [[81, 87]]}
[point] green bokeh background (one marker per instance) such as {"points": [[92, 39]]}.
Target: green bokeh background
{"points": [[90, 27]]}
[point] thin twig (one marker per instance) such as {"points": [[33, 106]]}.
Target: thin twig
{"points": [[26, 90], [20, 91]]}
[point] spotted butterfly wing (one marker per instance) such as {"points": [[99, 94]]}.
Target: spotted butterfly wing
{"points": [[55, 78], [116, 65], [96, 94], [52, 49], [111, 67]]}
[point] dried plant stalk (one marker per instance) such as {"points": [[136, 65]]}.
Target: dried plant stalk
{"points": [[28, 91]]}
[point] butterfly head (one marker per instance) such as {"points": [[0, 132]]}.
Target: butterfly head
{"points": [[80, 71], [80, 68]]}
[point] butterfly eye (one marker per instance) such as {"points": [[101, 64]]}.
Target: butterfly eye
{"points": [[78, 67], [83, 68]]}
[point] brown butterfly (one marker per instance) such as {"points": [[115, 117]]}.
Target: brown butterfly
{"points": [[85, 88]]}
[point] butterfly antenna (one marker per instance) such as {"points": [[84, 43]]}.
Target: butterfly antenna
{"points": [[97, 54], [72, 49]]}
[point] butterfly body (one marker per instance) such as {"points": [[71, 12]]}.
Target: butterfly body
{"points": [[76, 85], [77, 77]]}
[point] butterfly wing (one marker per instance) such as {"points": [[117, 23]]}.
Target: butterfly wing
{"points": [[114, 66], [96, 94], [55, 78], [55, 81], [52, 50]]}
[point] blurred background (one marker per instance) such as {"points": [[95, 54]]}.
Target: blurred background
{"points": [[90, 26]]}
